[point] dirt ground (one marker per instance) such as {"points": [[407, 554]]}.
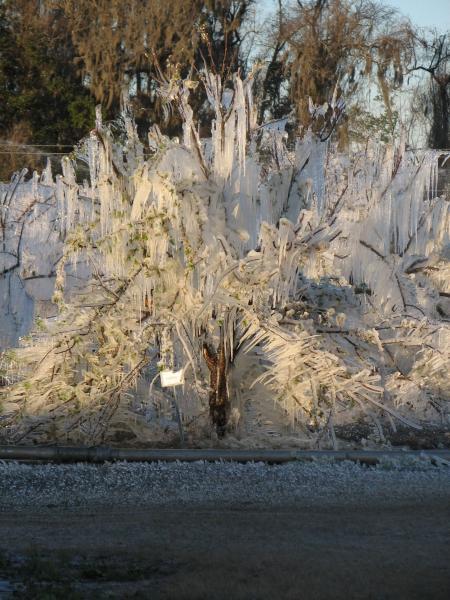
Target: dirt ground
{"points": [[235, 552]]}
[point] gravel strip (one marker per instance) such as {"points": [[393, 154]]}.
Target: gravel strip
{"points": [[391, 482]]}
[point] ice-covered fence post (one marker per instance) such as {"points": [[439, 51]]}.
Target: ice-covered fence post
{"points": [[172, 379]]}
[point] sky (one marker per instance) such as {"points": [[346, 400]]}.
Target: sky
{"points": [[425, 13]]}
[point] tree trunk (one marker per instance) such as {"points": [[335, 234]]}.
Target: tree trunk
{"points": [[443, 92], [218, 396], [439, 134]]}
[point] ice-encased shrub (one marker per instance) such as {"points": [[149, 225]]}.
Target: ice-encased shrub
{"points": [[300, 275]]}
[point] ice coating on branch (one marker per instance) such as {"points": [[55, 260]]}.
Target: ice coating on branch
{"points": [[29, 247], [319, 276]]}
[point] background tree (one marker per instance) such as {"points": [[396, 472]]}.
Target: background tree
{"points": [[59, 57], [432, 55], [43, 99], [331, 43], [116, 43], [274, 102]]}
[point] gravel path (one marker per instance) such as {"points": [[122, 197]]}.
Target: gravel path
{"points": [[24, 486]]}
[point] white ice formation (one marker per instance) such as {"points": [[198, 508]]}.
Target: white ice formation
{"points": [[325, 274]]}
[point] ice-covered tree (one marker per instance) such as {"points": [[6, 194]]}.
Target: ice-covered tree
{"points": [[318, 277]]}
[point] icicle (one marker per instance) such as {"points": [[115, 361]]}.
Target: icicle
{"points": [[47, 176], [241, 116]]}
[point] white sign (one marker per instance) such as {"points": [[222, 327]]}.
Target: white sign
{"points": [[170, 378]]}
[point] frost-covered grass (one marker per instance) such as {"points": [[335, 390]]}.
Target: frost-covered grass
{"points": [[321, 482]]}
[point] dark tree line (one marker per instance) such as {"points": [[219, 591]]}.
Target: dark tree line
{"points": [[58, 58]]}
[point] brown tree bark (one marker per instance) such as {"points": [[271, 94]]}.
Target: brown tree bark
{"points": [[219, 403]]}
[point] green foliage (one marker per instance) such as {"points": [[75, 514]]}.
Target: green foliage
{"points": [[364, 125], [44, 100]]}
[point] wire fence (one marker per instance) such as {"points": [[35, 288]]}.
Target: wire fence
{"points": [[7, 148]]}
